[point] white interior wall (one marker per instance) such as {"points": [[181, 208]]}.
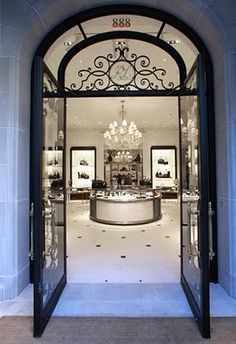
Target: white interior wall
{"points": [[161, 137], [24, 24]]}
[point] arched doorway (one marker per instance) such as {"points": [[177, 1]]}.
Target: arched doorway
{"points": [[197, 193]]}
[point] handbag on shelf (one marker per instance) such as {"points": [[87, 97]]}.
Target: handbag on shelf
{"points": [[54, 175], [57, 183], [98, 184], [138, 158], [84, 175], [83, 162]]}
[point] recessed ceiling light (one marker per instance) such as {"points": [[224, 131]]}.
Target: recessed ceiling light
{"points": [[75, 116], [164, 60], [67, 43], [170, 115], [100, 122], [145, 122]]}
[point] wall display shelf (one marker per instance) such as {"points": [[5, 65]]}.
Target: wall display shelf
{"points": [[128, 172], [82, 166], [163, 166], [53, 166]]}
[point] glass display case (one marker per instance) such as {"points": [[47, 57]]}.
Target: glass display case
{"points": [[163, 166], [127, 206], [82, 166]]}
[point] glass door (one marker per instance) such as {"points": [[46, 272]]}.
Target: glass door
{"points": [[48, 254], [194, 196]]}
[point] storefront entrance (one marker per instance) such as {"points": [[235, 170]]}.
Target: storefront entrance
{"points": [[125, 70]]}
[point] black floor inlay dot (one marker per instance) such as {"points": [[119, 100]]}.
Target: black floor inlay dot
{"points": [[148, 245], [171, 220], [106, 280], [140, 281], [123, 237], [103, 230], [159, 225], [79, 237], [143, 230], [122, 256], [98, 245], [167, 236]]}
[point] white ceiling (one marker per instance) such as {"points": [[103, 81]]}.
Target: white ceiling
{"points": [[147, 112], [104, 24]]}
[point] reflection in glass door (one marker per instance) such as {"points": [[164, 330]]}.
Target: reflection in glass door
{"points": [[48, 196], [194, 198]]}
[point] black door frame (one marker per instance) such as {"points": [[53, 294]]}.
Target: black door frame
{"points": [[166, 18], [41, 314], [201, 312]]}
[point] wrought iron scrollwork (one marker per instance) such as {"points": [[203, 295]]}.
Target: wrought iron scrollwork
{"points": [[118, 71]]}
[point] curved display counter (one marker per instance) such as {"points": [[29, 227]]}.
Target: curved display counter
{"points": [[127, 207]]}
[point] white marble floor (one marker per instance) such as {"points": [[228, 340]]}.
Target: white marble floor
{"points": [[100, 253], [101, 283]]}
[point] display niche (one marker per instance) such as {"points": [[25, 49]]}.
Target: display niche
{"points": [[53, 167], [82, 166], [163, 166], [124, 167]]}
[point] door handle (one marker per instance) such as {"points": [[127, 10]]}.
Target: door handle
{"points": [[211, 213], [31, 214]]}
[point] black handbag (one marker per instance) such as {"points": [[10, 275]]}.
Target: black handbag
{"points": [[98, 184], [84, 175], [57, 183], [138, 158], [83, 162]]}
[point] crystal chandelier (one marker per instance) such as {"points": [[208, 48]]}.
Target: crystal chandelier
{"points": [[124, 156], [123, 136]]}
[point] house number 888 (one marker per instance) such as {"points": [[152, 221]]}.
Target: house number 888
{"points": [[121, 22]]}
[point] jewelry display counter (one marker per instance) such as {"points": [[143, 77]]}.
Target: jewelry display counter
{"points": [[125, 207]]}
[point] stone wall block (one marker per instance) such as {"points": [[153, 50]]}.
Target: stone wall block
{"points": [[222, 173]]}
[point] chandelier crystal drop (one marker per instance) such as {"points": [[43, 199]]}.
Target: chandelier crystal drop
{"points": [[123, 136]]}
